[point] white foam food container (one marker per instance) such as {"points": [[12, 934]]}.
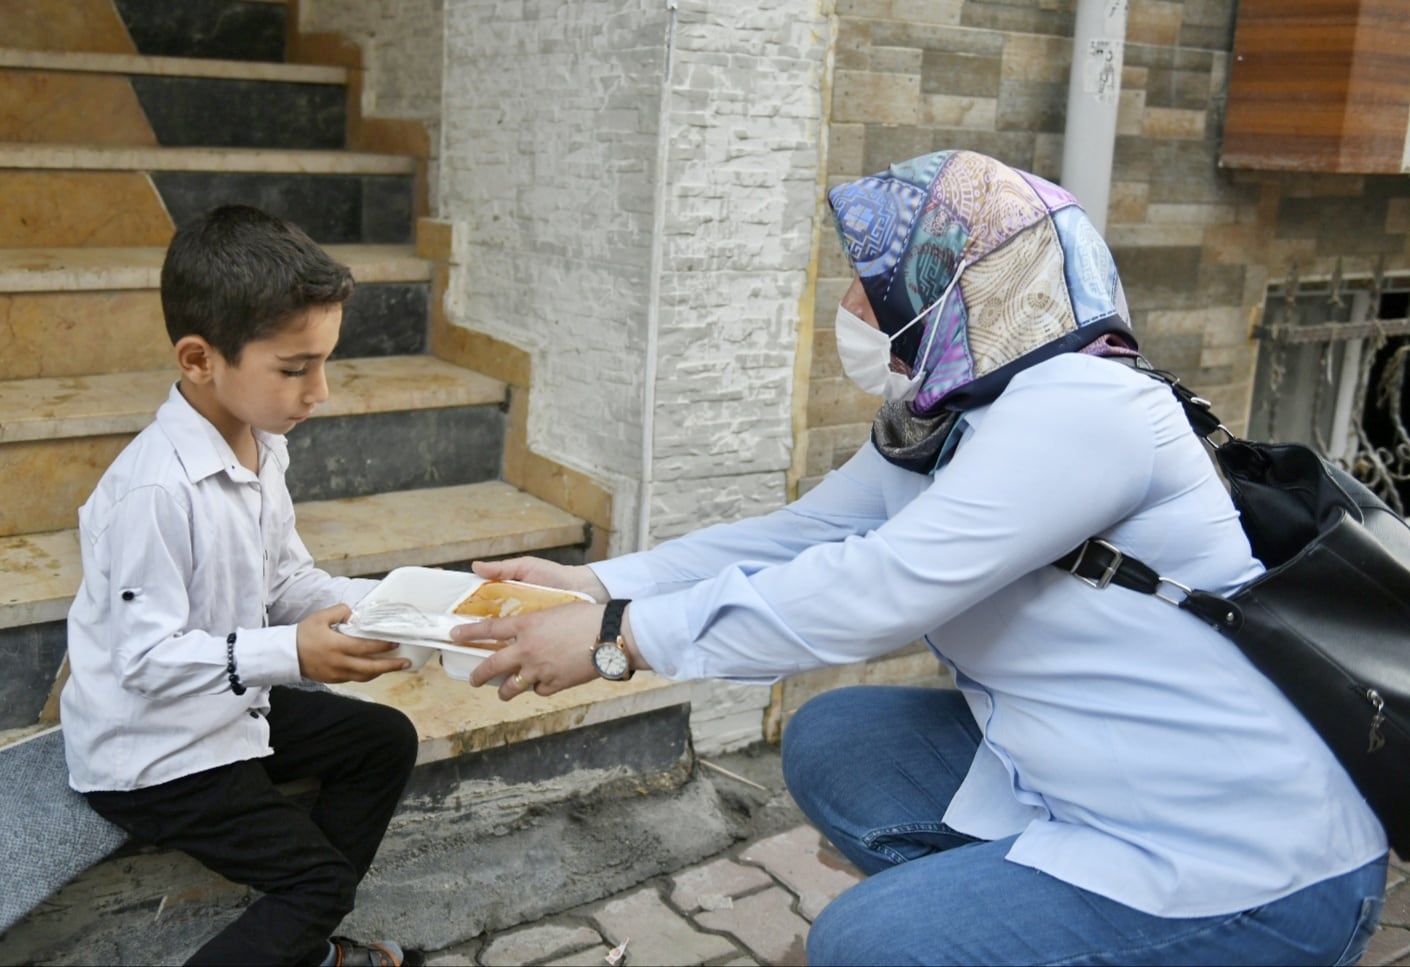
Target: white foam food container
{"points": [[414, 607]]}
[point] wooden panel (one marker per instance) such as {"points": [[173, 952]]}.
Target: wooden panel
{"points": [[1319, 85]]}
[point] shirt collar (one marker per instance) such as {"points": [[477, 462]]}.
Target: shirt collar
{"points": [[201, 449]]}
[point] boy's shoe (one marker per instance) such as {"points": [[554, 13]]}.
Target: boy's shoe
{"points": [[382, 953]]}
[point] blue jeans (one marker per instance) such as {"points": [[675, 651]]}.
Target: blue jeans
{"points": [[935, 896]]}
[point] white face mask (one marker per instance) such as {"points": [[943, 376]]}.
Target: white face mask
{"points": [[866, 358], [865, 351]]}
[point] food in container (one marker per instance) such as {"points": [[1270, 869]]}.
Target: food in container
{"points": [[417, 606], [499, 599]]}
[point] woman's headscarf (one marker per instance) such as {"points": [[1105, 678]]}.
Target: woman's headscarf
{"points": [[1035, 280]]}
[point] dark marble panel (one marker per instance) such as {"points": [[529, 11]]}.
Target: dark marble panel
{"points": [[388, 209], [219, 29], [333, 209], [31, 656], [227, 113], [385, 319], [353, 456], [647, 744]]}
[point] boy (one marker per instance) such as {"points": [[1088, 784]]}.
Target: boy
{"points": [[199, 602]]}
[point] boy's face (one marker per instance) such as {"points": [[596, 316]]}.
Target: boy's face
{"points": [[280, 380]]}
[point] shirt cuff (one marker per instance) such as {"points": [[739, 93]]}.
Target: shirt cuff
{"points": [[625, 577], [660, 631], [267, 656]]}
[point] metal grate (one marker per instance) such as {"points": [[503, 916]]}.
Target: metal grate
{"points": [[1332, 368]]}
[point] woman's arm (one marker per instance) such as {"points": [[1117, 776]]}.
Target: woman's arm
{"points": [[1059, 457]]}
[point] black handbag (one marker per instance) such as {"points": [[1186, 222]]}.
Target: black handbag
{"points": [[1328, 622]]}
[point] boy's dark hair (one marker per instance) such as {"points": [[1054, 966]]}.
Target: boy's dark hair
{"points": [[236, 274]]}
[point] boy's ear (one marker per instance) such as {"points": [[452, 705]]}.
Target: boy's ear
{"points": [[196, 358]]}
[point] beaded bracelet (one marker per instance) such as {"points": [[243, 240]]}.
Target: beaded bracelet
{"points": [[230, 672]]}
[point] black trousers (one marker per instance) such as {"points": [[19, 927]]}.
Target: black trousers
{"points": [[306, 862]]}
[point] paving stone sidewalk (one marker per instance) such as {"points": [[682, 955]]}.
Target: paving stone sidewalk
{"points": [[753, 903]]}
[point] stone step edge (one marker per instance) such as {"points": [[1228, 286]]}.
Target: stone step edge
{"points": [[453, 718], [102, 269], [123, 403], [40, 573], [138, 64], [49, 156]]}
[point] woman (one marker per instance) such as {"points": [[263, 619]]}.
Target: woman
{"points": [[1111, 782]]}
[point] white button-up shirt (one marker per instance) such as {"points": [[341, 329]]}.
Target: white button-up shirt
{"points": [[1135, 751], [181, 546]]}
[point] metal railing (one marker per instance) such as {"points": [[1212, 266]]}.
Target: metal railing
{"points": [[1366, 342]]}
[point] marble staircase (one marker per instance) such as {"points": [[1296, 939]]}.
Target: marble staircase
{"points": [[120, 119]]}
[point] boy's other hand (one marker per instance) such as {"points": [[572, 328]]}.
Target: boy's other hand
{"points": [[330, 656], [550, 574]]}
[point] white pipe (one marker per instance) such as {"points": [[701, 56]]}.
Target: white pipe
{"points": [[1341, 446], [1093, 97], [653, 303]]}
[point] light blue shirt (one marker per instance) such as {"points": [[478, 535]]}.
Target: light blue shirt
{"points": [[182, 545], [1135, 752]]}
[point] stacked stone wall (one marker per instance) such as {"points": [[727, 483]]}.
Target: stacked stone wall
{"points": [[1198, 246]]}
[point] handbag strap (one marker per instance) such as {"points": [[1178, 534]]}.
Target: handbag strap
{"points": [[1100, 563]]}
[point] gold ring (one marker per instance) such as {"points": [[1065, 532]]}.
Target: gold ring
{"points": [[519, 680]]}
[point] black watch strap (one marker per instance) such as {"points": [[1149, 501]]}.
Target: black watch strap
{"points": [[612, 619]]}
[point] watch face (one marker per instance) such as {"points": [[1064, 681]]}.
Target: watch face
{"points": [[611, 661]]}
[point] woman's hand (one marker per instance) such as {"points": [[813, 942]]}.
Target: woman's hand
{"points": [[546, 651], [535, 570]]}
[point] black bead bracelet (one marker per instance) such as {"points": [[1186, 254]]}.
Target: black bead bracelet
{"points": [[230, 672]]}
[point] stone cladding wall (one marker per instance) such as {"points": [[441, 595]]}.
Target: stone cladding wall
{"points": [[1197, 246], [566, 210]]}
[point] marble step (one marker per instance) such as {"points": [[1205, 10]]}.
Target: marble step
{"points": [[57, 334], [222, 29], [109, 157], [116, 268], [113, 195], [40, 573], [123, 403], [392, 423], [85, 62], [148, 109]]}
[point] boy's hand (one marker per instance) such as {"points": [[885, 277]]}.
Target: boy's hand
{"points": [[535, 570], [330, 656]]}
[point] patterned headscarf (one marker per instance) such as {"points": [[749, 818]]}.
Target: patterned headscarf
{"points": [[1035, 280]]}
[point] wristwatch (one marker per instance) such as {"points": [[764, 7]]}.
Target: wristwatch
{"points": [[609, 653]]}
